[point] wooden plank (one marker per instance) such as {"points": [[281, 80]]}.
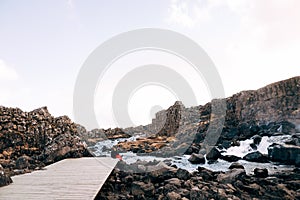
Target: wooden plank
{"points": [[79, 178]]}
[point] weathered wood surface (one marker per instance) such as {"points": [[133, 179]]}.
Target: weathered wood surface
{"points": [[73, 179]]}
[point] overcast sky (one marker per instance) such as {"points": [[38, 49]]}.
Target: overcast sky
{"points": [[43, 45]]}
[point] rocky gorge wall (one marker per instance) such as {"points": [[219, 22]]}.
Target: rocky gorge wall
{"points": [[279, 101], [276, 102]]}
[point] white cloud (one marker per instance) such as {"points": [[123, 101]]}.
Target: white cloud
{"points": [[265, 46], [190, 13], [7, 72], [260, 45], [70, 4]]}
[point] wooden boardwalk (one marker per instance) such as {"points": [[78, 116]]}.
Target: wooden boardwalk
{"points": [[73, 179]]}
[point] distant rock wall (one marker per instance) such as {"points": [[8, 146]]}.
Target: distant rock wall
{"points": [[263, 112], [276, 102], [279, 101]]}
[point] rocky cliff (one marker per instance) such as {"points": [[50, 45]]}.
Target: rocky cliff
{"points": [[277, 102], [273, 108]]}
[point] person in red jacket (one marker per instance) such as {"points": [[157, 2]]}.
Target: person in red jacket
{"points": [[115, 154]]}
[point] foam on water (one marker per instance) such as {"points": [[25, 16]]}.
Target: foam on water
{"points": [[245, 147]]}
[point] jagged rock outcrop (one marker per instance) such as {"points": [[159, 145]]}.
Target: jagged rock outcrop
{"points": [[172, 122], [29, 140]]}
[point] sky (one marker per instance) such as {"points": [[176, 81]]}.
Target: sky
{"points": [[43, 45]]}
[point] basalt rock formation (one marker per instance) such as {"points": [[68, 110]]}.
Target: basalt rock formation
{"points": [[30, 140], [172, 122], [273, 108]]}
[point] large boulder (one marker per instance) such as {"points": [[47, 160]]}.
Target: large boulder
{"points": [[256, 139], [231, 175], [256, 157], [160, 172], [197, 159], [183, 174], [230, 158], [214, 154], [287, 154]]}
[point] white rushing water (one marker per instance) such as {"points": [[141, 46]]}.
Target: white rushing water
{"points": [[245, 147], [108, 144], [219, 165]]}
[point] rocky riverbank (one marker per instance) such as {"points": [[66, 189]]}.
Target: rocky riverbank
{"points": [[170, 183], [31, 140]]}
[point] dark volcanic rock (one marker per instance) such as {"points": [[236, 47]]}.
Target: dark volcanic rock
{"points": [[288, 154], [140, 188], [261, 173], [183, 174], [202, 184], [197, 159], [23, 162], [230, 158], [257, 139], [192, 149], [256, 157], [231, 175], [4, 177], [263, 112], [28, 140], [214, 154]]}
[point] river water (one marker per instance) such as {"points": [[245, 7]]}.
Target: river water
{"points": [[220, 165]]}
